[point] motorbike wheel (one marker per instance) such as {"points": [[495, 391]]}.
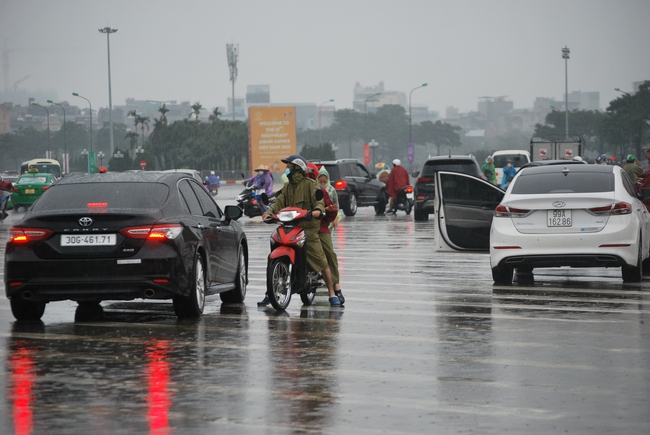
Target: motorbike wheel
{"points": [[278, 282], [408, 207], [308, 295]]}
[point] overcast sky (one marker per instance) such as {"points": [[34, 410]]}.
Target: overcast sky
{"points": [[312, 51]]}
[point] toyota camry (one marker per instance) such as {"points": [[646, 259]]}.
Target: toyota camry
{"points": [[119, 236]]}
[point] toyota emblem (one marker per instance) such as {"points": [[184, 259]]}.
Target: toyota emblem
{"points": [[85, 221], [559, 204]]}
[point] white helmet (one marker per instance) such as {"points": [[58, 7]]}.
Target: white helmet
{"points": [[211, 172], [397, 162]]}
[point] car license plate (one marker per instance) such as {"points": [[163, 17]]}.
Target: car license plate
{"points": [[29, 191], [559, 218], [89, 240]]}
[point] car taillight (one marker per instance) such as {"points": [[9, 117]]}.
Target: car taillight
{"points": [[340, 185], [15, 189], [425, 180], [26, 235], [45, 188], [157, 232], [618, 208], [505, 211]]}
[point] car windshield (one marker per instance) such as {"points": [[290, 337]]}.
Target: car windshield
{"points": [[104, 196], [32, 180], [557, 182], [451, 165], [501, 160]]}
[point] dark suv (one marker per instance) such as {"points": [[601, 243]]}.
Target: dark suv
{"points": [[355, 186], [424, 191]]}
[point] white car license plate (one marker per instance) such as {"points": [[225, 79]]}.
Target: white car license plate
{"points": [[89, 240], [559, 218]]}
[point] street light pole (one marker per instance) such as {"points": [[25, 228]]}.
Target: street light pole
{"points": [[91, 119], [48, 124], [410, 93], [65, 139], [108, 31], [565, 56], [320, 126]]}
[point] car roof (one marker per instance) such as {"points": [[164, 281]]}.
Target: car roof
{"points": [[557, 168], [553, 163], [450, 157], [124, 177]]}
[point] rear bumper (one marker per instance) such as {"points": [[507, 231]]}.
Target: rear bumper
{"points": [[102, 279]]}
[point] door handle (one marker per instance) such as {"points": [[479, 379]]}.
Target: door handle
{"points": [[200, 226]]}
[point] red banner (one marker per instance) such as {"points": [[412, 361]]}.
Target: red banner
{"points": [[366, 154]]}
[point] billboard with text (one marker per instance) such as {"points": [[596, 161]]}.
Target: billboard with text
{"points": [[272, 136]]}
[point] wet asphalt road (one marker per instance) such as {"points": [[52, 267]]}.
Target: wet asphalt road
{"points": [[425, 344]]}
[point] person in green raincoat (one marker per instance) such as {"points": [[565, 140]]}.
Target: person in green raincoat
{"points": [[300, 192], [489, 170]]}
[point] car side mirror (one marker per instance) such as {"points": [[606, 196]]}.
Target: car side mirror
{"points": [[319, 195], [233, 212], [415, 174]]}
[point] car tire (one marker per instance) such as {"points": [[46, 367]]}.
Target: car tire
{"points": [[238, 294], [502, 275], [26, 310], [351, 207], [89, 312], [278, 282], [420, 215], [634, 273], [192, 306]]}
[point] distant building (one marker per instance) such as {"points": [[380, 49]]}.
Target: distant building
{"points": [[584, 100], [258, 94]]}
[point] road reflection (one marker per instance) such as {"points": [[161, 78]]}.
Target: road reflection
{"points": [[22, 374], [158, 393], [304, 357]]}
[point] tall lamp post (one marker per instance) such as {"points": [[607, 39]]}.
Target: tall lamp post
{"points": [[320, 125], [365, 115], [565, 56], [108, 31], [410, 93], [101, 156], [65, 139], [91, 119], [48, 123]]}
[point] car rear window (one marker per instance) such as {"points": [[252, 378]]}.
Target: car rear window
{"points": [[518, 160], [557, 182], [451, 165], [103, 195], [29, 180], [333, 170]]}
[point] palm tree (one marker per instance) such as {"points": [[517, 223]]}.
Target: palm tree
{"points": [[144, 122], [196, 110], [163, 110], [134, 115], [215, 115], [132, 136]]}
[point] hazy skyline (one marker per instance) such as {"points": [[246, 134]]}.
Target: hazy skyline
{"points": [[310, 52]]}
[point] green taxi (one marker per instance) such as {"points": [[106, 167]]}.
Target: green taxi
{"points": [[29, 187]]}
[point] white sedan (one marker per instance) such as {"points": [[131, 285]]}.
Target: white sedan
{"points": [[550, 216]]}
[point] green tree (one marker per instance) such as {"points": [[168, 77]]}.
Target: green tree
{"points": [[144, 122], [132, 137], [196, 110], [347, 127], [318, 152], [440, 134], [163, 113], [583, 123]]}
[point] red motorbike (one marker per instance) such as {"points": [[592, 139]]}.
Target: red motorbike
{"points": [[286, 270]]}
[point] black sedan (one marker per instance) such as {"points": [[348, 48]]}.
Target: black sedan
{"points": [[119, 236]]}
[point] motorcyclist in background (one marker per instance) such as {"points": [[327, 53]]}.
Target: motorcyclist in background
{"points": [[212, 179], [262, 180]]}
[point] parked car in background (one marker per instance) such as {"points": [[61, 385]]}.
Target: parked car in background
{"points": [[518, 157], [424, 189], [572, 215], [29, 187], [191, 172], [119, 236], [354, 185]]}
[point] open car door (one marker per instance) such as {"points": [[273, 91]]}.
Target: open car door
{"points": [[463, 212]]}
